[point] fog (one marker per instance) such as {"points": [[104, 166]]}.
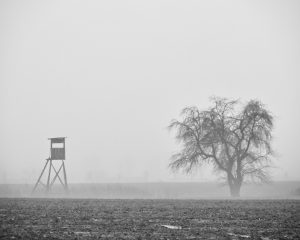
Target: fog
{"points": [[111, 75]]}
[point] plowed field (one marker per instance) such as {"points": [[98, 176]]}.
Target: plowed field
{"points": [[144, 219]]}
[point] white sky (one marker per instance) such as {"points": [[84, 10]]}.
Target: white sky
{"points": [[110, 75]]}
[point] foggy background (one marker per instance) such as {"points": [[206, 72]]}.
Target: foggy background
{"points": [[111, 75]]}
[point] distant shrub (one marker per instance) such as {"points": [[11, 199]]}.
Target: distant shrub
{"points": [[297, 192]]}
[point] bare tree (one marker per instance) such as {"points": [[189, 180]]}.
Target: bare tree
{"points": [[234, 138]]}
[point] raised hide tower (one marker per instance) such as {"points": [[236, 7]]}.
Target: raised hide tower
{"points": [[54, 167]]}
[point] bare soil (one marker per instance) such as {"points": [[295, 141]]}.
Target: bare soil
{"points": [[144, 219]]}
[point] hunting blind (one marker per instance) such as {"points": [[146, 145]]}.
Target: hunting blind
{"points": [[57, 154]]}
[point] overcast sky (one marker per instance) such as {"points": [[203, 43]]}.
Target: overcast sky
{"points": [[111, 75]]}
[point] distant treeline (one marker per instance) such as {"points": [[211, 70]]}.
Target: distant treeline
{"points": [[161, 190]]}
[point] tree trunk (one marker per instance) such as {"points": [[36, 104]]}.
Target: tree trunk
{"points": [[235, 189], [234, 185]]}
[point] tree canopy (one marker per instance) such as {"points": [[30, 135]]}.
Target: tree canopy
{"points": [[235, 138]]}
